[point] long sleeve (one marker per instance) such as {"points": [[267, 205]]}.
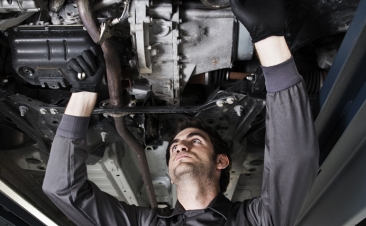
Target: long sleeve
{"points": [[291, 150], [67, 186]]}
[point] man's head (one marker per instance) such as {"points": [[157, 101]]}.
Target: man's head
{"points": [[198, 149]]}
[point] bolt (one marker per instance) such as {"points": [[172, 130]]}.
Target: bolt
{"points": [[132, 103], [132, 115], [23, 110], [81, 76], [5, 81], [220, 103], [230, 100], [43, 111], [104, 136], [238, 109], [249, 77], [53, 111], [105, 115], [179, 40]]}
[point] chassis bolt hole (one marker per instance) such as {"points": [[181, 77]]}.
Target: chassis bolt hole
{"points": [[33, 160], [256, 162]]}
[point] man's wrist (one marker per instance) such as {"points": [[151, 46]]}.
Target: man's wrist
{"points": [[81, 104], [273, 51]]}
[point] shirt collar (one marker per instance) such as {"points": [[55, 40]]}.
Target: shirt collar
{"points": [[220, 204]]}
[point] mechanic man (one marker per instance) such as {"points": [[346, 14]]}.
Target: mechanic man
{"points": [[198, 157]]}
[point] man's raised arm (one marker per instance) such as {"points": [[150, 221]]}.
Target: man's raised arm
{"points": [[291, 150], [66, 181]]}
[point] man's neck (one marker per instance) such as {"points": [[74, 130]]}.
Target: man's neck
{"points": [[194, 194]]}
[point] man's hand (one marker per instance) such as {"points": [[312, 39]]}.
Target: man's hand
{"points": [[86, 71], [262, 18]]}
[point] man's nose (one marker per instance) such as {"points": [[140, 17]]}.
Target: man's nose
{"points": [[182, 147]]}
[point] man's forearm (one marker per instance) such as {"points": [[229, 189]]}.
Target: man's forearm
{"points": [[272, 51], [81, 104]]}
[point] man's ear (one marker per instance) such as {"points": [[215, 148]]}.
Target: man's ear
{"points": [[222, 161]]}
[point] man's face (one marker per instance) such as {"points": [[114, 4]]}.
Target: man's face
{"points": [[191, 155]]}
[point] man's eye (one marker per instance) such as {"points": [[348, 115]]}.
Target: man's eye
{"points": [[174, 147], [196, 141]]}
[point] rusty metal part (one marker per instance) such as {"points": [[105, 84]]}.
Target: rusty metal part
{"points": [[113, 67], [197, 79], [200, 78], [88, 19], [238, 75], [141, 157]]}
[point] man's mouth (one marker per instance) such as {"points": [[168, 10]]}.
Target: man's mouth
{"points": [[181, 156]]}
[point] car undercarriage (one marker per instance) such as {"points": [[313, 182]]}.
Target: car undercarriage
{"points": [[165, 60]]}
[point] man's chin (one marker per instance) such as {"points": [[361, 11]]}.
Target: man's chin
{"points": [[183, 169]]}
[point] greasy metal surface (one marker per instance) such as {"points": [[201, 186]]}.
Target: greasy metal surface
{"points": [[154, 30], [211, 104], [21, 6], [44, 61], [172, 43], [5, 24]]}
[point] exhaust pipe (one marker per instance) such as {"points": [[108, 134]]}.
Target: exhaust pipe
{"points": [[113, 69]]}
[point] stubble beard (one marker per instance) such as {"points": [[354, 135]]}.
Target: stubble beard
{"points": [[187, 171]]}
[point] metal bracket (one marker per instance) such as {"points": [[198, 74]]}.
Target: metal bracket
{"points": [[106, 31]]}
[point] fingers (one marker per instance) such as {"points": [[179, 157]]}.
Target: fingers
{"points": [[89, 57], [90, 62], [72, 75], [74, 65], [85, 66]]}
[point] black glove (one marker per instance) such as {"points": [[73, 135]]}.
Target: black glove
{"points": [[86, 71], [262, 18]]}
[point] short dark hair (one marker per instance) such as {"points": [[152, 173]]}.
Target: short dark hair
{"points": [[220, 146]]}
